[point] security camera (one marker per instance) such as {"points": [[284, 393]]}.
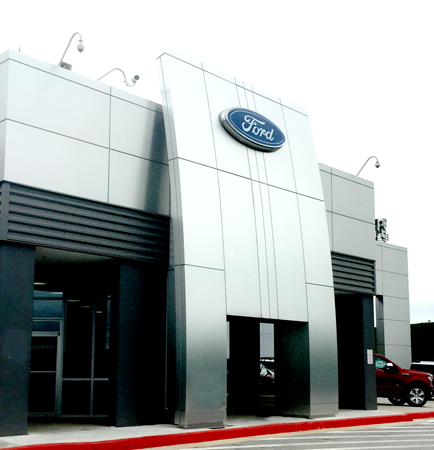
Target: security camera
{"points": [[80, 46], [377, 164]]}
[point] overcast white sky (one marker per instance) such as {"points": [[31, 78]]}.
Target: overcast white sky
{"points": [[363, 69]]}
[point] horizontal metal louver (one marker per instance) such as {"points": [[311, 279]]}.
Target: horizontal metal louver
{"points": [[352, 274], [49, 219]]}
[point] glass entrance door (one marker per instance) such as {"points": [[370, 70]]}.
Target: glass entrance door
{"points": [[85, 359], [45, 374]]}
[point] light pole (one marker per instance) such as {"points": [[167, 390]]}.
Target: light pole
{"points": [[80, 48], [377, 164], [133, 80]]}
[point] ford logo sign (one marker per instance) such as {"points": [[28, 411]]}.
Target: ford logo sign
{"points": [[252, 129]]}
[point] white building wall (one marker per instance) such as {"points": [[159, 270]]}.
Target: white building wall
{"points": [[393, 307], [66, 133], [350, 211]]}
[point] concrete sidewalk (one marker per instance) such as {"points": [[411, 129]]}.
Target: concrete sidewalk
{"points": [[61, 436]]}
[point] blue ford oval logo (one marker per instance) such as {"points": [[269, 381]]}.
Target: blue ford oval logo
{"points": [[252, 129]]}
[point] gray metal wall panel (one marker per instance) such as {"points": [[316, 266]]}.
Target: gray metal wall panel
{"points": [[4, 69], [137, 131], [231, 156], [199, 148], [2, 148], [353, 237], [240, 246], [394, 260], [138, 183], [288, 249], [303, 154], [316, 247], [41, 100], [262, 253], [47, 160], [353, 199], [278, 164], [206, 344], [202, 237], [49, 219]]}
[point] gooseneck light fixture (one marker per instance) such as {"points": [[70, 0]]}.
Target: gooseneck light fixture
{"points": [[133, 80], [80, 48], [377, 164]]}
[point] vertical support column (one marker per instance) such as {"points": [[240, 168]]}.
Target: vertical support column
{"points": [[17, 268], [292, 379], [243, 377], [355, 330], [138, 340], [200, 347]]}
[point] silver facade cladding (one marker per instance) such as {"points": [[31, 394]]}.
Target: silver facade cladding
{"points": [[240, 235]]}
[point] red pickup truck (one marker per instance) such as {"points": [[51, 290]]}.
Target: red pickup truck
{"points": [[401, 385]]}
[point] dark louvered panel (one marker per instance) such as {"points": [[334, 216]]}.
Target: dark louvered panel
{"points": [[352, 274], [55, 220]]}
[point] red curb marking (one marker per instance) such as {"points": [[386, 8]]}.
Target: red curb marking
{"points": [[226, 433]]}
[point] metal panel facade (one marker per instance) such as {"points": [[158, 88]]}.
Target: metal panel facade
{"points": [[64, 132], [262, 231]]}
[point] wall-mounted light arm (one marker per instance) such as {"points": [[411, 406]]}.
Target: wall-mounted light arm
{"points": [[80, 47], [377, 164], [133, 80]]}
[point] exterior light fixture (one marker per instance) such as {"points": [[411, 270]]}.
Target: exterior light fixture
{"points": [[133, 80], [80, 48], [377, 164]]}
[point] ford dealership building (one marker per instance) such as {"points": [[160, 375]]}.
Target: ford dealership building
{"points": [[142, 245]]}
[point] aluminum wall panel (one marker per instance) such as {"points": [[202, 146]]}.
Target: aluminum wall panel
{"points": [[353, 199], [396, 333], [400, 354], [271, 259], [240, 246], [379, 282], [138, 183], [315, 241], [278, 164], [50, 161], [188, 91], [394, 260], [323, 346], [4, 69], [206, 341], [2, 148], [396, 308], [353, 237], [231, 155], [326, 182], [288, 248], [379, 256], [330, 227], [137, 131], [201, 217], [304, 160], [262, 251], [52, 103], [251, 154], [395, 285]]}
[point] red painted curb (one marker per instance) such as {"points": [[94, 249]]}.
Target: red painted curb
{"points": [[227, 433]]}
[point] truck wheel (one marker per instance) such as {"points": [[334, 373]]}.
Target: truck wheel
{"points": [[417, 396], [396, 400]]}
